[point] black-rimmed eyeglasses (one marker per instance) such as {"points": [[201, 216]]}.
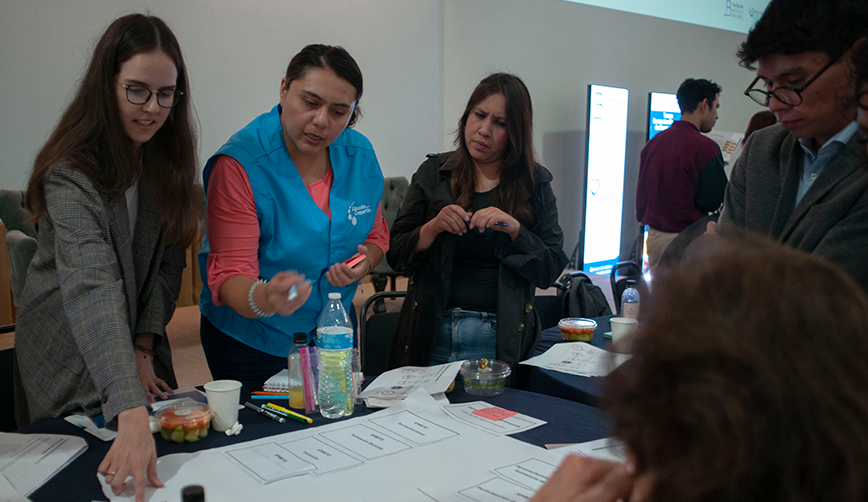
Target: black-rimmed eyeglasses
{"points": [[786, 95], [139, 95]]}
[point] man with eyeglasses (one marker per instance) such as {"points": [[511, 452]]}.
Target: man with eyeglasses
{"points": [[804, 181], [681, 176]]}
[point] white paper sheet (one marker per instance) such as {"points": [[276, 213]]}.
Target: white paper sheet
{"points": [[29, 460], [401, 382], [512, 425], [578, 358], [611, 449], [418, 445], [8, 493]]}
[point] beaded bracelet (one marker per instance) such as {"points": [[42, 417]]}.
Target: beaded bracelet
{"points": [[256, 310]]}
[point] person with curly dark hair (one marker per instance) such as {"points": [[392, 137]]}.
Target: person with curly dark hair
{"points": [[746, 383], [803, 182]]}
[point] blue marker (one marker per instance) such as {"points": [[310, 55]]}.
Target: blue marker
{"points": [[501, 224], [293, 293]]}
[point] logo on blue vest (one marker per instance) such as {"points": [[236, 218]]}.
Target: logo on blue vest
{"points": [[355, 210]]}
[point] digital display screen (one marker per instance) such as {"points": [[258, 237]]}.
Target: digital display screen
{"points": [[663, 110], [604, 178]]}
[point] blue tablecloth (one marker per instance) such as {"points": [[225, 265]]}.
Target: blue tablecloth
{"points": [[584, 390], [568, 422]]}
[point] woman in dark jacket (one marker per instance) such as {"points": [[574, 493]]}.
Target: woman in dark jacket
{"points": [[477, 233]]}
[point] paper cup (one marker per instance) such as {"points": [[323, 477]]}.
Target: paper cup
{"points": [[622, 328], [223, 398]]}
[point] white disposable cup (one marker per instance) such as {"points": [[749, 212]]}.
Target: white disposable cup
{"points": [[223, 398], [622, 328]]}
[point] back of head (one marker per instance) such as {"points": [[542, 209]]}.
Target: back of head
{"points": [[694, 91], [334, 58], [795, 26], [760, 120], [748, 381]]}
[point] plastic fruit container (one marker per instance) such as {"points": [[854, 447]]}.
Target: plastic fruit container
{"points": [[185, 422], [577, 329], [484, 377]]}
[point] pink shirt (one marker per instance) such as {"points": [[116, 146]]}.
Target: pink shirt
{"points": [[233, 228]]}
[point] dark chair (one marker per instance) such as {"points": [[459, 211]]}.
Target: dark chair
{"points": [[629, 270], [20, 241], [7, 395], [376, 333], [393, 196], [591, 301], [549, 308]]}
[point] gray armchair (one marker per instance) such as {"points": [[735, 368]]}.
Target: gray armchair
{"points": [[393, 196], [20, 238]]}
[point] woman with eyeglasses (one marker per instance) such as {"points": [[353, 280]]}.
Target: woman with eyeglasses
{"points": [[114, 197], [292, 196]]}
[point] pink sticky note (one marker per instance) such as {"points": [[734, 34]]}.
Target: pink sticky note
{"points": [[495, 413]]}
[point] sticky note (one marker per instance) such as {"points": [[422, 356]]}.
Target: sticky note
{"points": [[495, 413]]}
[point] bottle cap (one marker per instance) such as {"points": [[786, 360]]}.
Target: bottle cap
{"points": [[300, 338], [334, 296], [193, 493]]}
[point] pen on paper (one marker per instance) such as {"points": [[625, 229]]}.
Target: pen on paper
{"points": [[290, 413], [265, 412]]}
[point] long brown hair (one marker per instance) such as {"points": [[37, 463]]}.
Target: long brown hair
{"points": [[748, 381], [91, 128], [516, 175]]}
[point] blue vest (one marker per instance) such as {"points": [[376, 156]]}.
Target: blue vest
{"points": [[295, 234]]}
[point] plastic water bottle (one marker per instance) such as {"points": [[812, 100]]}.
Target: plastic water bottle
{"points": [[296, 382], [630, 301], [334, 341]]}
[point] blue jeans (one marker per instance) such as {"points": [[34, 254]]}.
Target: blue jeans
{"points": [[465, 334]]}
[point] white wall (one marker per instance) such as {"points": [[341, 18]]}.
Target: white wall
{"points": [[558, 48], [236, 53], [420, 58]]}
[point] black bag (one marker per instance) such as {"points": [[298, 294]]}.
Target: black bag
{"points": [[581, 297]]}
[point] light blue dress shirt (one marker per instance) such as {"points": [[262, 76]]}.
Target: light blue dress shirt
{"points": [[814, 163]]}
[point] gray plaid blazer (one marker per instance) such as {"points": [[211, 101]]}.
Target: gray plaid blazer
{"points": [[89, 290]]}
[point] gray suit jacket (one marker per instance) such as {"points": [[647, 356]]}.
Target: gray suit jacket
{"points": [[89, 290], [831, 220]]}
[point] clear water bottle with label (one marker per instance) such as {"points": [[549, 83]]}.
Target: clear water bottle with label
{"points": [[296, 382], [630, 301], [334, 341]]}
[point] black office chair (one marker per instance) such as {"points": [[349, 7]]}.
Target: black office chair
{"points": [[629, 270], [549, 308], [580, 297], [7, 394], [376, 334]]}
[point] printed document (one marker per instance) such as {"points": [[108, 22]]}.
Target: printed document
{"points": [[29, 460], [578, 358]]}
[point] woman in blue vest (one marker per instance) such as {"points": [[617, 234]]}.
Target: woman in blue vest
{"points": [[478, 232], [291, 196]]}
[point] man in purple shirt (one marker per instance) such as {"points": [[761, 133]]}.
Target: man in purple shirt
{"points": [[681, 176]]}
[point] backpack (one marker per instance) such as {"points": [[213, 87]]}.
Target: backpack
{"points": [[582, 298]]}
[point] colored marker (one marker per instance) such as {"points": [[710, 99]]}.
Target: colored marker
{"points": [[265, 412], [293, 293], [289, 412], [501, 224]]}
